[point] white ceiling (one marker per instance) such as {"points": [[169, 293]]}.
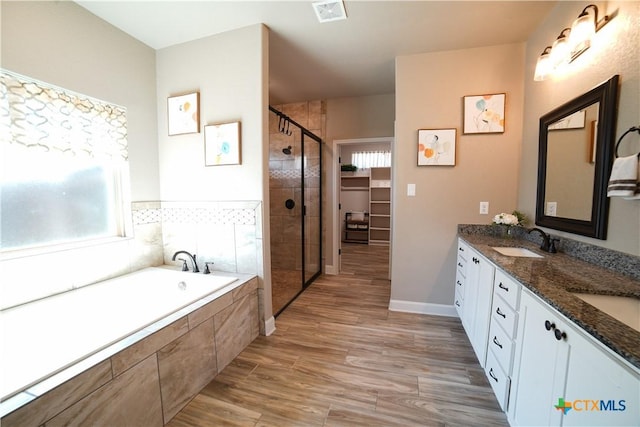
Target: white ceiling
{"points": [[309, 60]]}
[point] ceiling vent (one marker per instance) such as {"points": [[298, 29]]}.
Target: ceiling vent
{"points": [[329, 10]]}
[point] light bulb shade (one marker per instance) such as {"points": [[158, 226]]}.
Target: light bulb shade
{"points": [[582, 31], [560, 52], [543, 67]]}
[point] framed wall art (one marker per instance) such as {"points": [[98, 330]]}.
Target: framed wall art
{"points": [[484, 113], [222, 144], [437, 147], [183, 114]]}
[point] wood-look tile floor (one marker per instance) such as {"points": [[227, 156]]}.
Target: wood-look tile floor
{"points": [[339, 357]]}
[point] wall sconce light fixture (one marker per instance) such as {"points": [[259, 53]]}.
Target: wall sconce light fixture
{"points": [[571, 42]]}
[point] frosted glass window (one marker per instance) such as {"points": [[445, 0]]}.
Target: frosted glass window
{"points": [[64, 164], [371, 159]]}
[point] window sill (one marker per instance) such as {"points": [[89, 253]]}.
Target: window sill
{"points": [[10, 254]]}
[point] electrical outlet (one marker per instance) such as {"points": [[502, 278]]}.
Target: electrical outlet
{"points": [[552, 209], [484, 208]]}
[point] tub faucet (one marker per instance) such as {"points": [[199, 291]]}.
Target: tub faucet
{"points": [[548, 244], [192, 257]]}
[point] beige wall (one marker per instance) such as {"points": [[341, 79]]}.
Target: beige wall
{"points": [[350, 118], [225, 69], [616, 50], [230, 70], [62, 44], [429, 92]]}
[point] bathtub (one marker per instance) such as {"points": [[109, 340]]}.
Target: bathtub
{"points": [[56, 336]]}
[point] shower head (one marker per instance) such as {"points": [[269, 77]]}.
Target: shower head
{"points": [[287, 150]]}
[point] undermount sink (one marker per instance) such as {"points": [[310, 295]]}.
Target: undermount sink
{"points": [[517, 252], [624, 309]]}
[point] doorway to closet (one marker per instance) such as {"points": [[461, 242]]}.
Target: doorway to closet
{"points": [[363, 223]]}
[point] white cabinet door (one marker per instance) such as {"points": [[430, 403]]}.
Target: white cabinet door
{"points": [[478, 295], [482, 317], [541, 365], [563, 377], [603, 391]]}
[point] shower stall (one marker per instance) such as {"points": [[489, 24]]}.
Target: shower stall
{"points": [[295, 186]]}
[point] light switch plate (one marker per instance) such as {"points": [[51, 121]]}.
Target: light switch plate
{"points": [[552, 209], [411, 190], [484, 208]]}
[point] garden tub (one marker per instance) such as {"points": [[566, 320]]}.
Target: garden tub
{"points": [[58, 335]]}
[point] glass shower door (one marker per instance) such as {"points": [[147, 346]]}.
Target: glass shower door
{"points": [[312, 228]]}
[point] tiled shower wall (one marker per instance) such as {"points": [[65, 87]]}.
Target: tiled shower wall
{"points": [[284, 182]]}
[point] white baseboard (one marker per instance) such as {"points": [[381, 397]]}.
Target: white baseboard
{"points": [[330, 269], [423, 308], [269, 326]]}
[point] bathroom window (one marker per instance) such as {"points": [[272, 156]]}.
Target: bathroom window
{"points": [[64, 167], [371, 159]]}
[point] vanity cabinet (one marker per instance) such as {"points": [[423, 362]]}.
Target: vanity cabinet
{"points": [[475, 276], [557, 364]]}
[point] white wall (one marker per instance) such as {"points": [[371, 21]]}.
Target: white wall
{"points": [[429, 92], [615, 50]]}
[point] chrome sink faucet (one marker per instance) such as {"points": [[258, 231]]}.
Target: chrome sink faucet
{"points": [[191, 257], [548, 244]]}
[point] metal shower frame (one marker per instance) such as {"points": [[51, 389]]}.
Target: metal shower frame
{"points": [[284, 127]]}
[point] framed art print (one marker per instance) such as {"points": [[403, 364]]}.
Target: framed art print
{"points": [[436, 147], [183, 114], [484, 113], [222, 144]]}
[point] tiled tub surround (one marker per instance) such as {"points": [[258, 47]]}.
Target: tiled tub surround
{"points": [[556, 276], [229, 233], [148, 376]]}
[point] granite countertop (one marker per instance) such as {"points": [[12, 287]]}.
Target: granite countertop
{"points": [[555, 276]]}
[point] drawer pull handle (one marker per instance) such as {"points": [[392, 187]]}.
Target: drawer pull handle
{"points": [[499, 313], [549, 326], [492, 375], [461, 249], [495, 341], [559, 335], [457, 303], [501, 286], [458, 282], [460, 265]]}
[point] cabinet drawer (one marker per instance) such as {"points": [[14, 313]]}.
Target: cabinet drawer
{"points": [[501, 346], [504, 315], [506, 287], [461, 265], [460, 279], [463, 249], [499, 381], [458, 304]]}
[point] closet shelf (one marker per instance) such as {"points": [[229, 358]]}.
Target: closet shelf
{"points": [[354, 188]]}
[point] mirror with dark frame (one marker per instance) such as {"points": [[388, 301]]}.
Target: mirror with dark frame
{"points": [[575, 155]]}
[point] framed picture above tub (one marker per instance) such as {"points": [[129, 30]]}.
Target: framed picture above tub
{"points": [[183, 113], [484, 113], [437, 147], [222, 144]]}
